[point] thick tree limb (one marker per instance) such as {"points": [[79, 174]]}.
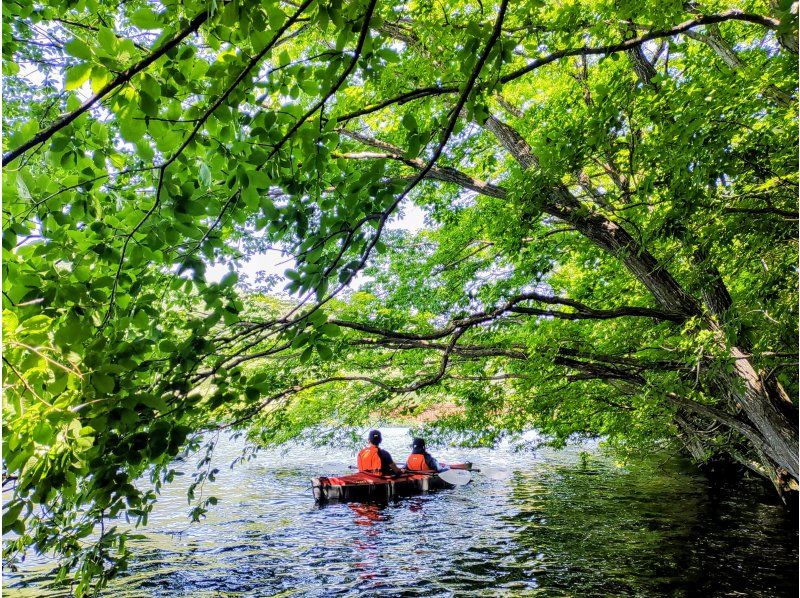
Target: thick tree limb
{"points": [[472, 351], [714, 40], [728, 15], [445, 174], [557, 200], [717, 415], [598, 371], [602, 314], [510, 306]]}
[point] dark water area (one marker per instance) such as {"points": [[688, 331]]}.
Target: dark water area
{"points": [[547, 523]]}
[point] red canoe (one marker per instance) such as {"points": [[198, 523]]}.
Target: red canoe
{"points": [[366, 486]]}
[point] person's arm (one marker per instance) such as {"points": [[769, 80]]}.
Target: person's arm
{"points": [[434, 464], [393, 466], [388, 463]]}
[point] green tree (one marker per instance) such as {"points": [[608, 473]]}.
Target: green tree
{"points": [[610, 188]]}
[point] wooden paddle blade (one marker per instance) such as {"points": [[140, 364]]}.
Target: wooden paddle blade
{"points": [[456, 477]]}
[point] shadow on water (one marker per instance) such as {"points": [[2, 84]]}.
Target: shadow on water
{"points": [[549, 524], [645, 531]]}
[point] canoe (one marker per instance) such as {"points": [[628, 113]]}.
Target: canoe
{"points": [[367, 486]]}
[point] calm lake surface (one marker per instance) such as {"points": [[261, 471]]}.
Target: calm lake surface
{"points": [[543, 523]]}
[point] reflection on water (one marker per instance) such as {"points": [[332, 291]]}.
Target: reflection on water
{"points": [[544, 524]]}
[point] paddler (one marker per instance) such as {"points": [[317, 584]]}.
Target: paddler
{"points": [[375, 460], [422, 460]]}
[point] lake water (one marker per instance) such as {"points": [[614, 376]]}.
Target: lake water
{"points": [[543, 523]]}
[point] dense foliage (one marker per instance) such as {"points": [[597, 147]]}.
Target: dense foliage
{"points": [[610, 249]]}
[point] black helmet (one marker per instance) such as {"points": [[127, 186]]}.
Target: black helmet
{"points": [[418, 444], [374, 437]]}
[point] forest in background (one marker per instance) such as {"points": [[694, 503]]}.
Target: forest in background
{"points": [[610, 249]]}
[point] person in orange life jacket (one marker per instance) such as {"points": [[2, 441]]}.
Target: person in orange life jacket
{"points": [[422, 460], [376, 460]]}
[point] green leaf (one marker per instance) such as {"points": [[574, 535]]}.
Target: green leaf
{"points": [[11, 515], [414, 146], [325, 352], [144, 18], [9, 239], [131, 128], [229, 280], [78, 49], [389, 55], [229, 317], [141, 320], [108, 40], [77, 75], [167, 346], [42, 433], [148, 105], [150, 86], [204, 175], [330, 329], [82, 273], [103, 382], [410, 122], [100, 78], [300, 340], [318, 317], [276, 16], [306, 354]]}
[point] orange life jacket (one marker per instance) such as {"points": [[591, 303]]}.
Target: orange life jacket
{"points": [[368, 460], [416, 462]]}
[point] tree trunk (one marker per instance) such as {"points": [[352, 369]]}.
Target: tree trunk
{"points": [[691, 440], [715, 294], [764, 404], [767, 413], [788, 38], [605, 233], [780, 433], [644, 70], [714, 40]]}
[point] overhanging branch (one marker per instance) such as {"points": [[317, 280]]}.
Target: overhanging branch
{"points": [[117, 81]]}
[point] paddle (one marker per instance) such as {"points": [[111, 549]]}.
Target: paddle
{"points": [[456, 477], [467, 466]]}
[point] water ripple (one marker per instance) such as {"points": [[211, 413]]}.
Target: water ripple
{"points": [[544, 524]]}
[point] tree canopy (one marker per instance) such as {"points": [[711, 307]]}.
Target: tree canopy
{"points": [[610, 249]]}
